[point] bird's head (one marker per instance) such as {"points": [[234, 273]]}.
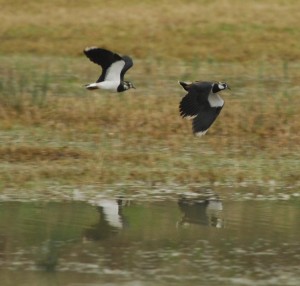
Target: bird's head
{"points": [[219, 86], [128, 85]]}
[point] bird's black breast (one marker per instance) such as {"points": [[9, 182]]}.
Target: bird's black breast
{"points": [[121, 87]]}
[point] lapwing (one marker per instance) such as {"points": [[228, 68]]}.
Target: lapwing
{"points": [[113, 67], [202, 103]]}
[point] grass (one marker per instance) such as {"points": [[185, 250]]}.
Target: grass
{"points": [[54, 132], [228, 30], [78, 138]]}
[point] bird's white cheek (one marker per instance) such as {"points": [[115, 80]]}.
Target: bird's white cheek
{"points": [[220, 86]]}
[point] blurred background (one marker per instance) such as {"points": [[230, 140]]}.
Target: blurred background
{"points": [[114, 188], [53, 131]]}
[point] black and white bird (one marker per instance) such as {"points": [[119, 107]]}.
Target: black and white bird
{"points": [[113, 67], [202, 103]]}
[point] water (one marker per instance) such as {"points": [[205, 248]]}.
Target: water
{"points": [[202, 239]]}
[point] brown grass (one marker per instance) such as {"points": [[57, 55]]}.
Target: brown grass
{"points": [[222, 30], [35, 153], [53, 131], [98, 138]]}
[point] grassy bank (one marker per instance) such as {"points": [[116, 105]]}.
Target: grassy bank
{"points": [[53, 131]]}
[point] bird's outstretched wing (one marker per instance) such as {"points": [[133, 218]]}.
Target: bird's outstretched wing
{"points": [[111, 63], [205, 119], [189, 107], [195, 99], [128, 65]]}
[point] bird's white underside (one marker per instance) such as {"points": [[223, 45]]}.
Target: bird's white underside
{"points": [[107, 85], [201, 133], [113, 73], [215, 100]]}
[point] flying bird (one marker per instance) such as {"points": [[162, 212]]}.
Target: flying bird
{"points": [[113, 67], [202, 103]]}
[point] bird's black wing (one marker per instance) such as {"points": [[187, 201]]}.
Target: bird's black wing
{"points": [[205, 119], [195, 100], [102, 57], [189, 106], [128, 65]]}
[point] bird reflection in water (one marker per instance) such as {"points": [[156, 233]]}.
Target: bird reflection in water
{"points": [[111, 219], [203, 210]]}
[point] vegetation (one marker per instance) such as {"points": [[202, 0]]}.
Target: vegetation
{"points": [[53, 131], [222, 30]]}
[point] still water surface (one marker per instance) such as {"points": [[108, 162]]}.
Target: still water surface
{"points": [[184, 241]]}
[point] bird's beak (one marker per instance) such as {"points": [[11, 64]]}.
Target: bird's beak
{"points": [[228, 87]]}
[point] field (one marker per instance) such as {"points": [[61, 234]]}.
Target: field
{"points": [[56, 134]]}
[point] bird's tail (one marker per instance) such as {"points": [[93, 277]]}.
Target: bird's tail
{"points": [[185, 85], [91, 86]]}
